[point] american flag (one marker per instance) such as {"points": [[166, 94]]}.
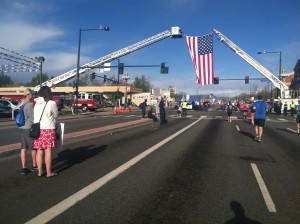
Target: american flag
{"points": [[201, 50]]}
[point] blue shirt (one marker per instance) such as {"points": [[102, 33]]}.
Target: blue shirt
{"points": [[260, 109]]}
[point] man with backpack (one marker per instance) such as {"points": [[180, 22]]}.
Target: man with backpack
{"points": [[26, 141]]}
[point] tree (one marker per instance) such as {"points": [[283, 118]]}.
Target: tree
{"points": [[142, 83], [36, 80], [5, 80]]}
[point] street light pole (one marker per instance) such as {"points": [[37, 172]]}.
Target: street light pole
{"points": [[41, 60], [274, 52], [105, 28]]}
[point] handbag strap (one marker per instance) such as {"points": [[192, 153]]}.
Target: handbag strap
{"points": [[43, 111]]}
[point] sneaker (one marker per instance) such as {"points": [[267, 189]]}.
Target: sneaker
{"points": [[256, 138], [34, 169], [25, 171], [259, 140]]}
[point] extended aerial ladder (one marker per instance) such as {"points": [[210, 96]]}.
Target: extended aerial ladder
{"points": [[284, 89], [175, 33]]}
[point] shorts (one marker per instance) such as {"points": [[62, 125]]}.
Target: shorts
{"points": [[46, 140], [298, 118], [26, 141], [229, 113], [251, 114], [260, 122]]}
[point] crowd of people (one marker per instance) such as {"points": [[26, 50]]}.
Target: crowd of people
{"points": [[44, 112], [259, 110]]}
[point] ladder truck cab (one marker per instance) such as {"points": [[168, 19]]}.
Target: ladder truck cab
{"points": [[89, 101]]}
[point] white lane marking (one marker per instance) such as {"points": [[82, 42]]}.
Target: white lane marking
{"points": [[282, 119], [59, 208], [237, 128], [267, 197], [291, 130]]}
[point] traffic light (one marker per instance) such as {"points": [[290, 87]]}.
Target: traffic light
{"points": [[121, 68], [246, 79], [216, 80], [163, 68], [93, 75], [104, 78]]}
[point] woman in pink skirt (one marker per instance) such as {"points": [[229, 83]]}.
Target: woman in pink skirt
{"points": [[46, 140]]}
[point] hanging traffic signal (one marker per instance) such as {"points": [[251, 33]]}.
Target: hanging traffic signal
{"points": [[104, 78], [163, 68], [121, 68], [93, 75], [216, 80], [246, 79]]}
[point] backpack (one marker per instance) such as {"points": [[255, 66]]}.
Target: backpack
{"points": [[20, 118]]}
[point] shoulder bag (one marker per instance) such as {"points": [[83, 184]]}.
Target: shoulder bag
{"points": [[35, 129]]}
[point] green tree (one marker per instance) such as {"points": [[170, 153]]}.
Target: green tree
{"points": [[36, 80], [142, 83], [5, 80]]}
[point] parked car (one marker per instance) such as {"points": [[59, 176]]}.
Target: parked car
{"points": [[5, 110], [10, 103]]}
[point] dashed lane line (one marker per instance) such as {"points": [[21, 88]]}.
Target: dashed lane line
{"points": [[292, 130], [264, 190]]}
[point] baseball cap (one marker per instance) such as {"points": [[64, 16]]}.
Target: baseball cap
{"points": [[27, 91]]}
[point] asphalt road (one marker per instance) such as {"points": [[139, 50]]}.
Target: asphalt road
{"points": [[197, 169]]}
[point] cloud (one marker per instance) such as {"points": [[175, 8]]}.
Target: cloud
{"points": [[31, 35]]}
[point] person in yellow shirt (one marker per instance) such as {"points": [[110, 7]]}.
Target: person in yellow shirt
{"points": [[292, 106], [184, 107]]}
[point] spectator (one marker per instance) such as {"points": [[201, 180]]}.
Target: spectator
{"points": [[298, 117], [285, 108], [151, 114], [179, 110], [47, 139], [162, 112], [184, 107], [26, 141], [292, 106], [143, 106]]}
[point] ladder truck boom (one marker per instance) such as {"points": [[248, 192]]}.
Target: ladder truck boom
{"points": [[265, 72], [175, 33]]}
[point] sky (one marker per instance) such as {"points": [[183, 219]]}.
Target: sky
{"points": [[51, 29]]}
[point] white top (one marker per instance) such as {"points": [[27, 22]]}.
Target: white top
{"points": [[49, 116]]}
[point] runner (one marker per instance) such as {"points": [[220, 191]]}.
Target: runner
{"points": [[260, 108]]}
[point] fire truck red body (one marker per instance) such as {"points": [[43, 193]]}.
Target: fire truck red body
{"points": [[89, 101]]}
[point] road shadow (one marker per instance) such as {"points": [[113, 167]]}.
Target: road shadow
{"points": [[239, 215], [249, 135], [70, 157]]}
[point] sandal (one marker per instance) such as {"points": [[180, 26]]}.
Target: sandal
{"points": [[52, 175]]}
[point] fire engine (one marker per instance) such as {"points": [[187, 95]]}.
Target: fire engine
{"points": [[90, 101]]}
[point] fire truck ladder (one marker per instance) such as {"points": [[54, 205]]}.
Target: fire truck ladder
{"points": [[175, 33], [284, 89]]}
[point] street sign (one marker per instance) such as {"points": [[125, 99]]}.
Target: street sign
{"points": [[265, 80]]}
